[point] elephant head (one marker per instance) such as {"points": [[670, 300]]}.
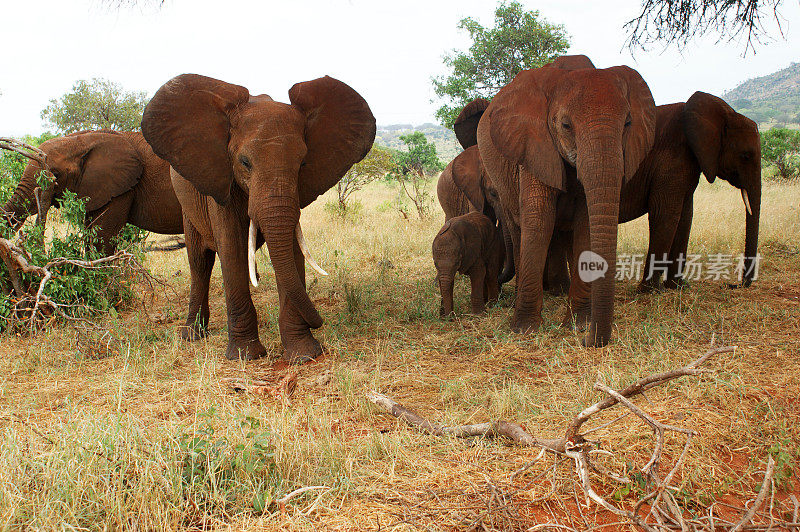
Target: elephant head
{"points": [[95, 165], [727, 145], [601, 122], [281, 155]]}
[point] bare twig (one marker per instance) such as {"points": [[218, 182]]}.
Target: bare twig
{"points": [[759, 499]]}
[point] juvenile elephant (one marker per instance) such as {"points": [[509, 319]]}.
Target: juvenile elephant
{"points": [[704, 134], [242, 161], [467, 244], [119, 175], [559, 142]]}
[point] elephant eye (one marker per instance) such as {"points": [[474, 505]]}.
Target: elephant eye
{"points": [[745, 156], [628, 121], [245, 162]]}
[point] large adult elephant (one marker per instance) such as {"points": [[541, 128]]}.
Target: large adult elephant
{"points": [[704, 134], [117, 173], [559, 143], [242, 161]]}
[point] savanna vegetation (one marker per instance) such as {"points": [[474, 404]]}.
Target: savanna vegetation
{"points": [[121, 425], [138, 429]]}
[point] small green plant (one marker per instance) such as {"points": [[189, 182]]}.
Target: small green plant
{"points": [[219, 476], [785, 462]]}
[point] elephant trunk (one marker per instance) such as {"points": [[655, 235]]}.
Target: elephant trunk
{"points": [[753, 195], [278, 222], [23, 201], [601, 173], [508, 259]]}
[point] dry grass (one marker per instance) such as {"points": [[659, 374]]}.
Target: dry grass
{"points": [[101, 437]]}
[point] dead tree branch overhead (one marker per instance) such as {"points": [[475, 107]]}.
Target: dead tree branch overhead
{"points": [[679, 21]]}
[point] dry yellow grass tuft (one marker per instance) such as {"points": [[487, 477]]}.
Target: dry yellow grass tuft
{"points": [[142, 433]]}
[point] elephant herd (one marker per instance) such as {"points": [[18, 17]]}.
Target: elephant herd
{"points": [[566, 152], [551, 166]]}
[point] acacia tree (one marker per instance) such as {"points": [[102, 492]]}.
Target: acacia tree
{"points": [[519, 40], [781, 147], [378, 162], [678, 21], [96, 104], [415, 166]]}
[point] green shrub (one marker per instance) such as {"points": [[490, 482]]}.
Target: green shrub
{"points": [[83, 291]]}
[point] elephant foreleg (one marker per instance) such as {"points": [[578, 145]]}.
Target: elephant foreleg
{"points": [[537, 219], [201, 263], [108, 221], [230, 235], [299, 345], [477, 278]]}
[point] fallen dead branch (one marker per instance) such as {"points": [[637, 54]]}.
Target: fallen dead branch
{"points": [[281, 391], [663, 512]]}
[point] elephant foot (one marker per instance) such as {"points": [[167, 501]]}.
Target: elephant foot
{"points": [[193, 332], [526, 325], [646, 287], [677, 284], [301, 350], [593, 339], [580, 319], [244, 350]]}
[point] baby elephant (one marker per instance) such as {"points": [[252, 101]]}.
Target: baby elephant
{"points": [[468, 244]]}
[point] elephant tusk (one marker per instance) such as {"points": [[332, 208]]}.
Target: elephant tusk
{"points": [[251, 254], [746, 202], [306, 253]]}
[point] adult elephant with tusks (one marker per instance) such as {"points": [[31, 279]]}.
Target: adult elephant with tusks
{"points": [[242, 167], [559, 142]]}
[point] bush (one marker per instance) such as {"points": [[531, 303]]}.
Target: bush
{"points": [[83, 292], [780, 147], [351, 210]]}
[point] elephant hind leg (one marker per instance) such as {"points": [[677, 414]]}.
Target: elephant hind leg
{"points": [[680, 245], [201, 263]]}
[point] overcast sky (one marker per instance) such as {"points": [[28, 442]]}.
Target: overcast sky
{"points": [[386, 49]]}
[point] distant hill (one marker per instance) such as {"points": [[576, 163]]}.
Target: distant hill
{"points": [[772, 100], [447, 147]]}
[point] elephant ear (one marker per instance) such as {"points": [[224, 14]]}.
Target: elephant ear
{"points": [[704, 118], [187, 123], [571, 62], [467, 168], [518, 125], [466, 124], [340, 130], [109, 167], [641, 133]]}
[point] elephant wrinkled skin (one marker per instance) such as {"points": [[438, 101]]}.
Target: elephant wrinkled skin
{"points": [[117, 173], [559, 142], [242, 161]]}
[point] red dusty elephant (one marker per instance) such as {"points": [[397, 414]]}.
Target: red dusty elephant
{"points": [[241, 161], [559, 142], [118, 175]]}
